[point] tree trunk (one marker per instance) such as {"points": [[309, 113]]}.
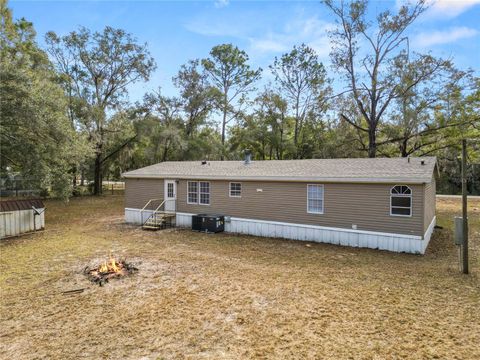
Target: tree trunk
{"points": [[296, 130], [297, 115], [165, 150], [224, 125], [403, 147], [281, 141], [97, 185], [98, 173], [372, 142], [189, 127]]}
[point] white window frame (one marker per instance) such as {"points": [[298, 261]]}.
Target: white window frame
{"points": [[323, 200], [200, 193], [190, 192], [402, 195], [230, 189], [168, 190]]}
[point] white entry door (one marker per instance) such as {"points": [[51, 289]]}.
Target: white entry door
{"points": [[170, 195]]}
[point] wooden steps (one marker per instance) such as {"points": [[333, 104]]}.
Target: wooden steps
{"points": [[159, 220]]}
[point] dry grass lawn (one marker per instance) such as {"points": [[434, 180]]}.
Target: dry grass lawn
{"points": [[222, 296]]}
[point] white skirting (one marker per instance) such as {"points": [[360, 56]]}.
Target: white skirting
{"points": [[428, 234], [14, 223], [338, 236], [134, 216]]}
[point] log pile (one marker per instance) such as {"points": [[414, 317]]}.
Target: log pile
{"points": [[109, 270]]}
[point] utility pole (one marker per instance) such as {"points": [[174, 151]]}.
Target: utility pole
{"points": [[464, 208]]}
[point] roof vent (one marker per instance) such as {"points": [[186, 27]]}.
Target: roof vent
{"points": [[204, 162], [422, 162], [248, 157]]}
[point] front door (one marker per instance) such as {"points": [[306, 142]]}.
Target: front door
{"points": [[170, 195]]}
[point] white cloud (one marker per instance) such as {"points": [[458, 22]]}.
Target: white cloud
{"points": [[221, 27], [450, 8], [444, 8], [271, 43], [311, 31], [221, 3], [230, 24], [269, 37], [443, 36]]}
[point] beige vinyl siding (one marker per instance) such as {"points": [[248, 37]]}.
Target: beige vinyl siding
{"points": [[139, 191], [430, 204], [366, 205]]}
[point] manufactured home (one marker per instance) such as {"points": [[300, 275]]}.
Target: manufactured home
{"points": [[381, 203]]}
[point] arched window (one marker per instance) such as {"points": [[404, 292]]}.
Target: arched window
{"points": [[401, 201]]}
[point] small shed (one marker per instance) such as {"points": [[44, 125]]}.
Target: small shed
{"points": [[21, 216]]}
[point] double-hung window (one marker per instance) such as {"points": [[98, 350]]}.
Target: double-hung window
{"points": [[192, 192], [401, 201], [204, 193], [235, 189], [198, 192], [315, 199]]}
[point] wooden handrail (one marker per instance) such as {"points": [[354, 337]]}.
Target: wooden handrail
{"points": [[154, 211], [148, 203], [143, 209], [159, 206]]}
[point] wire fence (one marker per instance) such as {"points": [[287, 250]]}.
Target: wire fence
{"points": [[19, 188], [113, 187], [24, 188]]}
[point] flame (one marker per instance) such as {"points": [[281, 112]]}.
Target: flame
{"points": [[110, 266]]}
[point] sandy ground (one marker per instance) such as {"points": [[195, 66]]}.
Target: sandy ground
{"points": [[222, 296]]}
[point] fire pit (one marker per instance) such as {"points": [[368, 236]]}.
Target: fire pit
{"points": [[108, 270]]}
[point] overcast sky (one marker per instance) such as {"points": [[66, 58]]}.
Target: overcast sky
{"points": [[177, 31]]}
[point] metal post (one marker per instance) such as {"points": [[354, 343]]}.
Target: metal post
{"points": [[464, 208]]}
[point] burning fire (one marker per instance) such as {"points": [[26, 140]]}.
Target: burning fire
{"points": [[110, 266], [109, 269]]}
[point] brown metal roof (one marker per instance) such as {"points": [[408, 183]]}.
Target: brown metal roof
{"points": [[379, 170], [16, 205]]}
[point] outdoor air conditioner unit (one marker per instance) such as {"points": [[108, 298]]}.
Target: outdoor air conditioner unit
{"points": [[208, 223]]}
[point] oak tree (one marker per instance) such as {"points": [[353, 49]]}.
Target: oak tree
{"points": [[97, 68]]}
